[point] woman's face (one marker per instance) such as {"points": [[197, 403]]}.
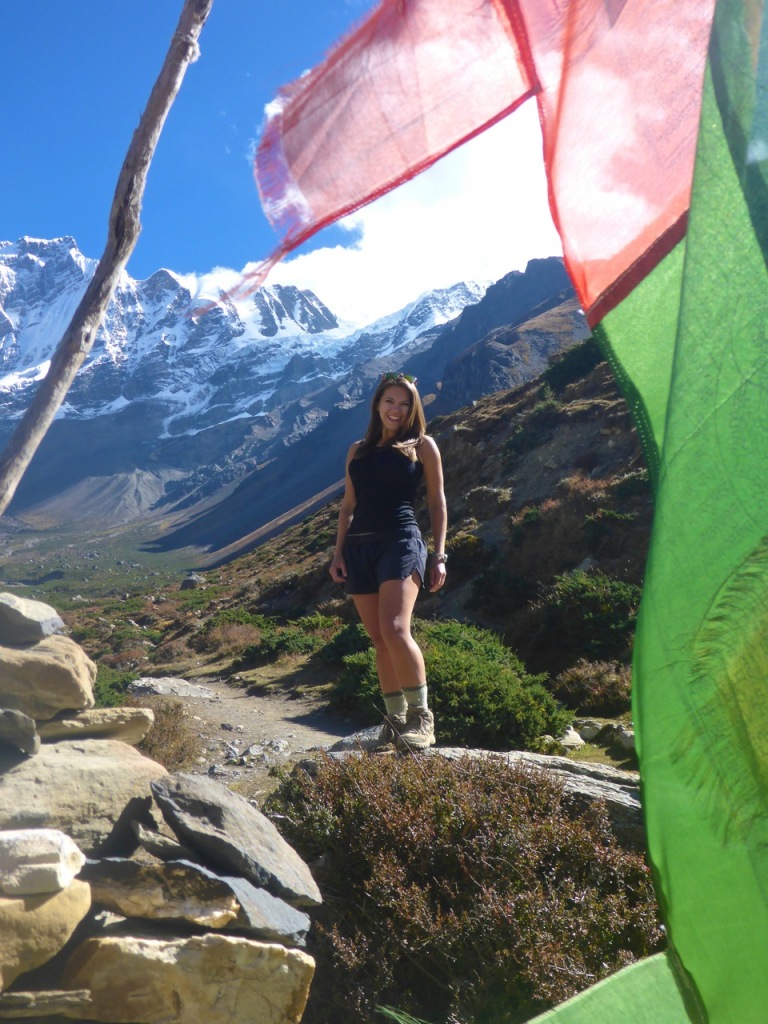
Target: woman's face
{"points": [[394, 408]]}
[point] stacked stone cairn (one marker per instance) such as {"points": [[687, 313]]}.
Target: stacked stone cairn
{"points": [[129, 895]]}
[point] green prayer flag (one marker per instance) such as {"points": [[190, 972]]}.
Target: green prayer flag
{"points": [[690, 345]]}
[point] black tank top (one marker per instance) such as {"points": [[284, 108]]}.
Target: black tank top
{"points": [[385, 483]]}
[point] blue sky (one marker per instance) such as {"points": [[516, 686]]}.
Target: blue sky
{"points": [[76, 74]]}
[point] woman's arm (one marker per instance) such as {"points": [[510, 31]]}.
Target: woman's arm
{"points": [[429, 454], [338, 569]]}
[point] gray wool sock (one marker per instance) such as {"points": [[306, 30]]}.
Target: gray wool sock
{"points": [[395, 703], [416, 697]]}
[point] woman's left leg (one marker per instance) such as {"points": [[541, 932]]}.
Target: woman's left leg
{"points": [[396, 602]]}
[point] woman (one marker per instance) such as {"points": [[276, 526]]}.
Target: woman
{"points": [[380, 553]]}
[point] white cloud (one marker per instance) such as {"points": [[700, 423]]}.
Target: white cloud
{"points": [[477, 214]]}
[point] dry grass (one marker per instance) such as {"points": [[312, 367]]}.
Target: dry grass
{"points": [[171, 740]]}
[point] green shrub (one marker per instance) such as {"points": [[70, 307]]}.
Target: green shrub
{"points": [[573, 365], [595, 687], [480, 692], [469, 555], [230, 629], [634, 484], [467, 889], [109, 689], [350, 639], [498, 589], [600, 523], [534, 429], [589, 615], [356, 687], [304, 635]]}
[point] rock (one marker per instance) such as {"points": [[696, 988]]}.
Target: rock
{"points": [[24, 621], [182, 891], [129, 725], [20, 1005], [37, 860], [176, 890], [192, 581], [51, 676], [18, 730], [571, 739], [168, 686], [35, 928], [202, 979], [624, 738], [266, 916], [234, 837], [365, 739], [162, 846], [588, 728], [90, 789]]}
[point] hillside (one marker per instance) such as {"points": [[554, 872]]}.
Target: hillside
{"points": [[541, 480], [190, 430]]}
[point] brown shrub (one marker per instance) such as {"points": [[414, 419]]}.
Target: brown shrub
{"points": [[171, 740], [129, 658], [595, 687], [232, 637], [468, 888]]}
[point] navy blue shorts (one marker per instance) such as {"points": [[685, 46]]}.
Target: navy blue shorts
{"points": [[373, 558]]}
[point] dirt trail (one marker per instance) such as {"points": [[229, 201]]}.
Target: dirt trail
{"points": [[244, 736]]}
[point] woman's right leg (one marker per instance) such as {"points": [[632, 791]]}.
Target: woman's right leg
{"points": [[368, 609]]}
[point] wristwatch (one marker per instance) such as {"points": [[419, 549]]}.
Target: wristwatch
{"points": [[440, 557]]}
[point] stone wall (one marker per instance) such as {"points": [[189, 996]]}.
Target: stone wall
{"points": [[128, 895]]}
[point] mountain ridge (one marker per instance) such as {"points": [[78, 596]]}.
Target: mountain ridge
{"points": [[249, 404]]}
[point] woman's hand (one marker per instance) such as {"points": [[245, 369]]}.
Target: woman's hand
{"points": [[436, 574], [338, 569]]}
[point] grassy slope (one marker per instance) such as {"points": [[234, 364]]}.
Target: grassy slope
{"points": [[538, 479]]}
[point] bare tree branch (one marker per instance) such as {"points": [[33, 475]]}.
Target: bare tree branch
{"points": [[123, 233]]}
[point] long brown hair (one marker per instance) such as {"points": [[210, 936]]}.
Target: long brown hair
{"points": [[408, 438]]}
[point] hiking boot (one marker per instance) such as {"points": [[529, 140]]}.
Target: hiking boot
{"points": [[390, 732], [419, 731]]}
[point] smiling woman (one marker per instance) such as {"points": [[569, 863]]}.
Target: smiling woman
{"points": [[381, 556]]}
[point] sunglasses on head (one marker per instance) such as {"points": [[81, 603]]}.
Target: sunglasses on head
{"points": [[400, 376]]}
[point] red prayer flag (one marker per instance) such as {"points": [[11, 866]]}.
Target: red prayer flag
{"points": [[618, 84]]}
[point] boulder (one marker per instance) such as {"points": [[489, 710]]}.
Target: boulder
{"points": [[37, 860], [192, 581], [90, 789], [234, 836], [22, 1005], [169, 686], [24, 621], [175, 890], [571, 739], [161, 846], [201, 979], [266, 916], [50, 676], [588, 728], [35, 928], [129, 725], [181, 891], [19, 731]]}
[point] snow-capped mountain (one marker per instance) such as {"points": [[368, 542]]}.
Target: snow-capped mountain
{"points": [[226, 418], [197, 370], [173, 403]]}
